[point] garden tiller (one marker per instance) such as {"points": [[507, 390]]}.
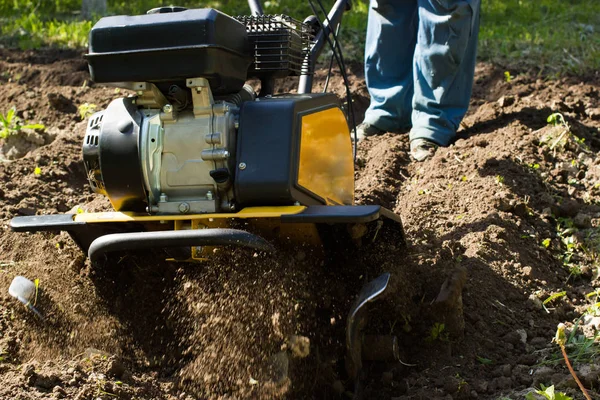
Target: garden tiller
{"points": [[197, 159]]}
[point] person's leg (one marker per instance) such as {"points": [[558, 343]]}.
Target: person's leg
{"points": [[444, 65], [389, 50]]}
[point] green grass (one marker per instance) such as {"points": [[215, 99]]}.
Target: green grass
{"points": [[554, 36], [551, 37]]}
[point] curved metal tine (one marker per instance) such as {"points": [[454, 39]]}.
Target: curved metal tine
{"points": [[356, 321]]}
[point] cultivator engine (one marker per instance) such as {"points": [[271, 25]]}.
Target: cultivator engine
{"points": [[195, 157]]}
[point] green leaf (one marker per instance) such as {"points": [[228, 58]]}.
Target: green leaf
{"points": [[555, 119], [35, 127], [484, 361], [10, 114], [554, 296], [546, 242]]}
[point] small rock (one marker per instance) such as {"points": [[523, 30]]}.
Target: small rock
{"points": [[528, 359], [448, 306], [513, 338], [564, 381], [535, 302], [542, 375], [115, 368], [539, 342], [451, 384], [547, 212], [28, 370], [521, 374], [593, 113], [589, 375], [582, 221], [502, 204], [299, 346], [481, 143], [547, 198], [592, 321], [527, 271], [481, 386], [522, 335], [77, 264], [26, 210], [520, 209], [506, 101], [61, 103], [569, 208], [502, 383], [46, 381], [59, 392]]}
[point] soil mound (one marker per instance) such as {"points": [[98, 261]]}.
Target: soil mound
{"points": [[484, 253]]}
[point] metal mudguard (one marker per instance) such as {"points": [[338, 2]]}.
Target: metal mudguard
{"points": [[85, 228]]}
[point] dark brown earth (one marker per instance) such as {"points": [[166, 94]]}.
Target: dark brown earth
{"points": [[479, 211]]}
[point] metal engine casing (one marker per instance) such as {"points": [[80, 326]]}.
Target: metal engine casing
{"points": [[183, 159]]}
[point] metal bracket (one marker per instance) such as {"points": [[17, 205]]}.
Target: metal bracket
{"points": [[201, 96]]}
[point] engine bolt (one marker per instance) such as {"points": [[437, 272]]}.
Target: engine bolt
{"points": [[242, 165], [167, 108], [184, 208]]}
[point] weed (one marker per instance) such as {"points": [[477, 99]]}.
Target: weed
{"points": [[484, 361], [551, 298], [508, 77], [37, 171], [499, 180], [548, 393], [10, 124], [561, 339], [557, 119], [438, 332], [574, 271], [546, 242], [86, 110]]}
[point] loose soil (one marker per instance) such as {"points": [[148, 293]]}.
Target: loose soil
{"points": [[467, 290]]}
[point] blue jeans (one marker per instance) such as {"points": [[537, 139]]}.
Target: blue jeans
{"points": [[419, 65]]}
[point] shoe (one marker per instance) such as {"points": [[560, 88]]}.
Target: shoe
{"points": [[365, 129], [422, 149]]}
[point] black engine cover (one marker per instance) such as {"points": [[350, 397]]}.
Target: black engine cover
{"points": [[171, 47]]}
